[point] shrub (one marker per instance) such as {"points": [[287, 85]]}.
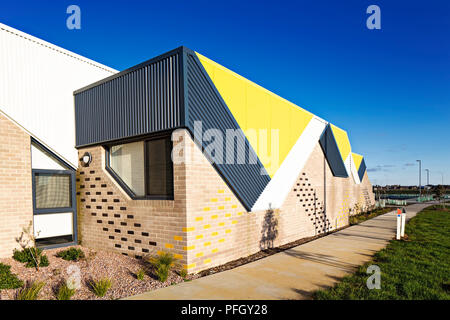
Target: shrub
{"points": [[72, 254], [183, 273], [30, 292], [64, 292], [162, 272], [162, 264], [8, 280], [101, 287], [28, 256], [140, 274]]}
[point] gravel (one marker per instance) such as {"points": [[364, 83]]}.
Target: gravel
{"points": [[97, 264]]}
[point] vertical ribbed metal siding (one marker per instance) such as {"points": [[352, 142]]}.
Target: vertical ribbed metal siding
{"points": [[332, 154], [362, 169], [205, 104], [141, 101]]}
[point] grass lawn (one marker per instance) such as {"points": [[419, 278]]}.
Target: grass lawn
{"points": [[368, 215], [418, 268]]}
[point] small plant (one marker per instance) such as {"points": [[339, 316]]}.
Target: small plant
{"points": [[101, 287], [30, 253], [30, 256], [162, 272], [183, 273], [64, 292], [30, 291], [72, 254], [8, 280], [162, 264], [140, 274]]}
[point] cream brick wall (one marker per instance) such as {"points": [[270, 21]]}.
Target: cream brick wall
{"points": [[205, 225], [109, 219], [16, 207]]}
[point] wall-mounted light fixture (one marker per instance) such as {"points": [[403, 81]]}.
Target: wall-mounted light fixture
{"points": [[86, 159]]}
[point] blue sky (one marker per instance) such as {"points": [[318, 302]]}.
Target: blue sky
{"points": [[389, 88]]}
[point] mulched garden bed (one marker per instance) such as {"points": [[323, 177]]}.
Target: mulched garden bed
{"points": [[98, 264]]}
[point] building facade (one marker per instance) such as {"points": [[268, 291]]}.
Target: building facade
{"points": [[183, 155], [37, 138]]}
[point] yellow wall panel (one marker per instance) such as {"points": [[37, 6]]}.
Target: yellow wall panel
{"points": [[357, 159], [342, 141], [256, 108]]}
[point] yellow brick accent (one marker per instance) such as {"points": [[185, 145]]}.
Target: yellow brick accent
{"points": [[214, 216], [214, 234], [200, 254], [234, 222], [188, 229], [220, 191], [178, 256], [169, 245], [206, 261], [206, 208], [221, 224], [190, 266], [214, 250], [189, 248], [228, 199], [207, 226], [221, 207], [207, 244], [214, 200], [200, 236], [227, 215], [234, 206], [177, 238], [228, 231], [240, 213], [199, 219], [222, 240]]}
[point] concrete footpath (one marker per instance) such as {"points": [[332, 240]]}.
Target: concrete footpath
{"points": [[294, 273]]}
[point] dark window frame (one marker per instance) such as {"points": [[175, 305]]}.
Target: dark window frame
{"points": [[123, 185]]}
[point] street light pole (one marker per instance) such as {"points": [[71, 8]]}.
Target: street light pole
{"points": [[428, 176], [420, 177]]}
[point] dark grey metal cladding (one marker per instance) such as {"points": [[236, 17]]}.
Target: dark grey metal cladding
{"points": [[362, 169], [141, 100], [204, 103], [332, 154]]}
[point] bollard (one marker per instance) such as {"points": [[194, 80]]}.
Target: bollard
{"points": [[402, 232], [399, 222]]}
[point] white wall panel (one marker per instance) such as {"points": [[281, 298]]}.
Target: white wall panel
{"points": [[53, 225], [279, 186], [37, 80], [354, 170]]}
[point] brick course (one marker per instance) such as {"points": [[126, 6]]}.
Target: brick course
{"points": [[16, 208], [205, 225]]}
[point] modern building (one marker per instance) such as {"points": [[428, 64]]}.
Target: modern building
{"points": [[38, 158], [181, 154], [176, 154]]}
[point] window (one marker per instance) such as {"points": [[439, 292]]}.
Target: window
{"points": [[127, 161], [52, 191], [144, 167]]}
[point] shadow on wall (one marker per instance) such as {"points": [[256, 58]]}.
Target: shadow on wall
{"points": [[269, 231]]}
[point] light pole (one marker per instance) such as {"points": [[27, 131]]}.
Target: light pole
{"points": [[420, 177]]}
